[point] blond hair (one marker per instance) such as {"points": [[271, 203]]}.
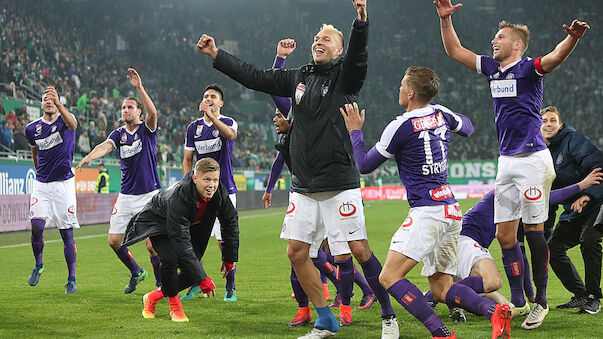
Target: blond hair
{"points": [[206, 165], [330, 27], [423, 81], [520, 31], [551, 109]]}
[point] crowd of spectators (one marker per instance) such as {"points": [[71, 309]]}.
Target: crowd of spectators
{"points": [[85, 47]]}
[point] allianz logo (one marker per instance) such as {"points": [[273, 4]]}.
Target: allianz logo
{"points": [[127, 151], [503, 88], [208, 146], [16, 186], [49, 142]]}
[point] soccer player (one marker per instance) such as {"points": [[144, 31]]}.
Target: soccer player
{"points": [[323, 261], [525, 167], [179, 221], [418, 140], [52, 142], [575, 155], [326, 198], [213, 136], [476, 267], [135, 143]]}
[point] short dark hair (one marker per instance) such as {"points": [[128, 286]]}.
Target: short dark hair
{"points": [[424, 81], [216, 88]]}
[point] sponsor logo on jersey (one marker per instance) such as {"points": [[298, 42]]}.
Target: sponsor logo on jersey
{"points": [[299, 92], [208, 146], [198, 130], [503, 88], [347, 209], [441, 193], [427, 122], [215, 133], [408, 298], [533, 193], [127, 151], [50, 141], [453, 212]]}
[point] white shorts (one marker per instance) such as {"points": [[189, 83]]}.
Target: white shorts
{"points": [[469, 252], [522, 187], [55, 199], [216, 231], [125, 208], [430, 234], [337, 215]]}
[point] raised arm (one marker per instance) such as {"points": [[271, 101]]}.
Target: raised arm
{"points": [[274, 82], [283, 49], [355, 61], [366, 162], [574, 32], [451, 41], [98, 152], [136, 82], [68, 118]]}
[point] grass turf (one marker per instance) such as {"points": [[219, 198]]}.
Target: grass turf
{"points": [[100, 309]]}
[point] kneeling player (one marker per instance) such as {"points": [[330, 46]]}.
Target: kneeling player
{"points": [[418, 140], [179, 221]]}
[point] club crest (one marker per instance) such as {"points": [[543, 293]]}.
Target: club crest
{"points": [[198, 131], [124, 137], [299, 92]]}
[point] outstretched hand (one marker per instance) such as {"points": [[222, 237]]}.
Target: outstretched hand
{"points": [[86, 160], [577, 29], [360, 6], [285, 47], [580, 203], [207, 46], [353, 119], [445, 8], [593, 178], [134, 78]]}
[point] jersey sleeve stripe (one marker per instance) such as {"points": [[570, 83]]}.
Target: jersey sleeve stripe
{"points": [[478, 64], [539, 70]]}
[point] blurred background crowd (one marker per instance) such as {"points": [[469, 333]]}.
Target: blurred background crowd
{"points": [[84, 48]]}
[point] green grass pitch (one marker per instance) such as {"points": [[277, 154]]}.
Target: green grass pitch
{"points": [[100, 309]]}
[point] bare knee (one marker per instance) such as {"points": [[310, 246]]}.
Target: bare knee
{"points": [[492, 283], [115, 243], [296, 255], [361, 250]]}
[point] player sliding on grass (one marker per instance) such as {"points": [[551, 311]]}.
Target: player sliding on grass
{"points": [[525, 167], [179, 221], [418, 140]]}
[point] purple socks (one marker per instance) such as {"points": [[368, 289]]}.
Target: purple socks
{"points": [[372, 269], [462, 296], [360, 280], [230, 279], [513, 262], [126, 257], [69, 250], [411, 298], [346, 280], [37, 239], [300, 295], [155, 262]]}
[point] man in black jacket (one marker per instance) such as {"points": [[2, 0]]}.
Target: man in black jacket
{"points": [[326, 198], [575, 156], [179, 220]]}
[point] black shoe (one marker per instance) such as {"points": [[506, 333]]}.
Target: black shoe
{"points": [[135, 280], [457, 315], [575, 302], [592, 305]]}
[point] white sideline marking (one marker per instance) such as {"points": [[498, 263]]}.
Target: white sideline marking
{"points": [[105, 234]]}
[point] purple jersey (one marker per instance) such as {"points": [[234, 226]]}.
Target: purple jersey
{"points": [[478, 222], [137, 152], [517, 96], [205, 139], [419, 141], [55, 144]]}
